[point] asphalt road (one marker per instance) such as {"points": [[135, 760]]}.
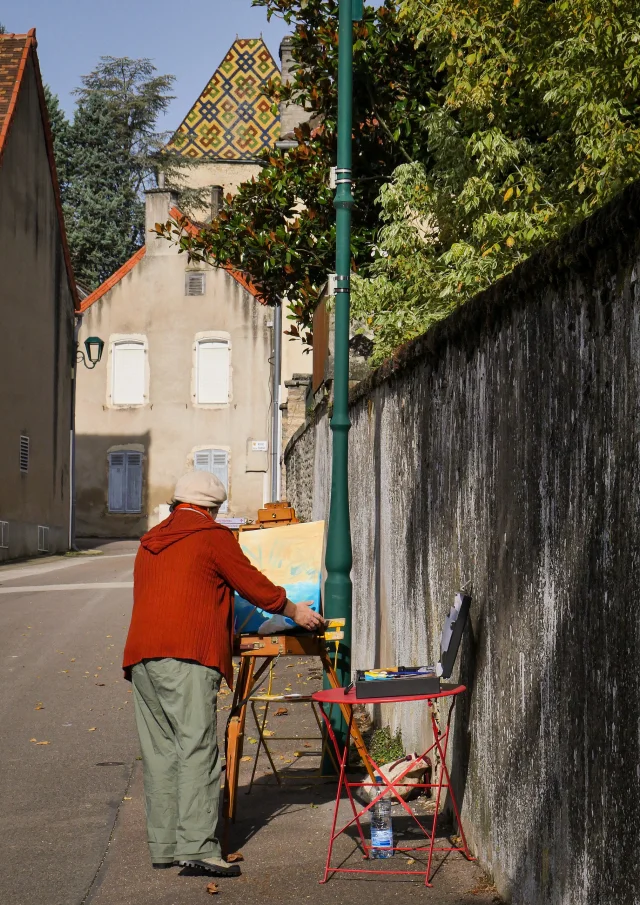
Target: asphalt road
{"points": [[64, 710], [71, 800]]}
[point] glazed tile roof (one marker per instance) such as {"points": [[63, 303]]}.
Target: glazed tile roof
{"points": [[233, 118]]}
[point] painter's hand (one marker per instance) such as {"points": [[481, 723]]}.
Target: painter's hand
{"points": [[305, 617]]}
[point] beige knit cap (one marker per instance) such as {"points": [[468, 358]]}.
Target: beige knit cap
{"points": [[200, 488]]}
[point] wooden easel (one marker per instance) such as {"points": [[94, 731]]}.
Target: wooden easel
{"points": [[269, 647]]}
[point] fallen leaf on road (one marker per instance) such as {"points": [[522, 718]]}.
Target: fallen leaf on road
{"points": [[33, 739], [268, 732], [282, 711], [252, 741], [64, 670], [72, 660], [42, 743], [307, 744], [411, 860], [109, 636], [99, 684], [246, 758], [39, 706], [212, 888], [235, 856], [127, 798], [312, 805], [93, 729]]}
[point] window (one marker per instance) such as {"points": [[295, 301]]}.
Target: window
{"points": [[43, 539], [194, 283], [128, 373], [24, 454], [217, 462], [125, 481], [4, 535], [212, 371]]}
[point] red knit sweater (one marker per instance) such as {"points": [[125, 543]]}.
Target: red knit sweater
{"points": [[184, 576]]}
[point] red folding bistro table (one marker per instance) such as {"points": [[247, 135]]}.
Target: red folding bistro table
{"points": [[440, 743]]}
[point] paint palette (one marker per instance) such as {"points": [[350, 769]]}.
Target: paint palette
{"points": [[291, 557]]}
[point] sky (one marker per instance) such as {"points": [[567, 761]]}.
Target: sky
{"points": [[185, 39]]}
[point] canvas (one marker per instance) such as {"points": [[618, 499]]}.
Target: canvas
{"points": [[290, 557]]}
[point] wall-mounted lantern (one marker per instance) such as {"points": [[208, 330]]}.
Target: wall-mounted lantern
{"points": [[93, 347]]}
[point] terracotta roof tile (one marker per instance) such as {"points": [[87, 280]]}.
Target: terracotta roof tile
{"points": [[192, 229], [238, 276], [112, 280], [14, 54]]}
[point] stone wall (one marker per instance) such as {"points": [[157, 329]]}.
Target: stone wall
{"points": [[502, 449]]}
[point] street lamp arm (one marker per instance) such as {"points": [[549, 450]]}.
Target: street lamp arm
{"points": [[80, 356]]}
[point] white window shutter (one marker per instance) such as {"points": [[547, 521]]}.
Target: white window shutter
{"points": [[134, 482], [128, 373], [117, 469], [215, 461], [212, 370], [202, 460], [220, 468]]}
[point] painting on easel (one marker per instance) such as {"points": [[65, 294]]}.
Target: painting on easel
{"points": [[291, 557]]}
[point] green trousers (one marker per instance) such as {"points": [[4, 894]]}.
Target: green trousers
{"points": [[175, 704]]}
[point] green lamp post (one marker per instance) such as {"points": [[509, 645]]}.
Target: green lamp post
{"points": [[338, 557]]}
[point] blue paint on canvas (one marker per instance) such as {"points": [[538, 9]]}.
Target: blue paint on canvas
{"points": [[291, 557]]}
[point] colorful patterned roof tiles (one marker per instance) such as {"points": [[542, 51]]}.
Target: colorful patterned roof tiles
{"points": [[233, 118]]}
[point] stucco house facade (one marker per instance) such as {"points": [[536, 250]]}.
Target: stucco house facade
{"points": [[37, 306], [185, 380]]}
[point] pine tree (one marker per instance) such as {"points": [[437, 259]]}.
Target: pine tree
{"points": [[107, 157], [103, 212], [61, 133]]}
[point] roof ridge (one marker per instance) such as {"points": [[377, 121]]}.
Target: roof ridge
{"points": [[29, 40], [188, 225], [111, 281], [246, 283], [30, 47]]}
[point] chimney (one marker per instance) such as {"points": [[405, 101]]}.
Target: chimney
{"points": [[217, 196], [291, 114], [158, 203]]}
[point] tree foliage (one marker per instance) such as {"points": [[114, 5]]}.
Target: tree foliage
{"points": [[107, 156], [482, 130], [279, 228], [536, 124]]}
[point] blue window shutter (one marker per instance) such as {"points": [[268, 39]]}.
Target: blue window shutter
{"points": [[117, 482], [134, 482]]}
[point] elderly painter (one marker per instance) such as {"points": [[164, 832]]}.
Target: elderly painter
{"points": [[177, 652]]}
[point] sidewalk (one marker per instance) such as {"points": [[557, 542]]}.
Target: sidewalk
{"points": [[282, 834]]}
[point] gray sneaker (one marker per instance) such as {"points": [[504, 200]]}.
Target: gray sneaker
{"points": [[215, 866]]}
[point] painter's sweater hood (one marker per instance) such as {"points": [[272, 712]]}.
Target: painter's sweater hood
{"points": [[180, 524]]}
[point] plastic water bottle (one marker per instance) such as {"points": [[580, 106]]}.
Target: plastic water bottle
{"points": [[381, 827]]}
